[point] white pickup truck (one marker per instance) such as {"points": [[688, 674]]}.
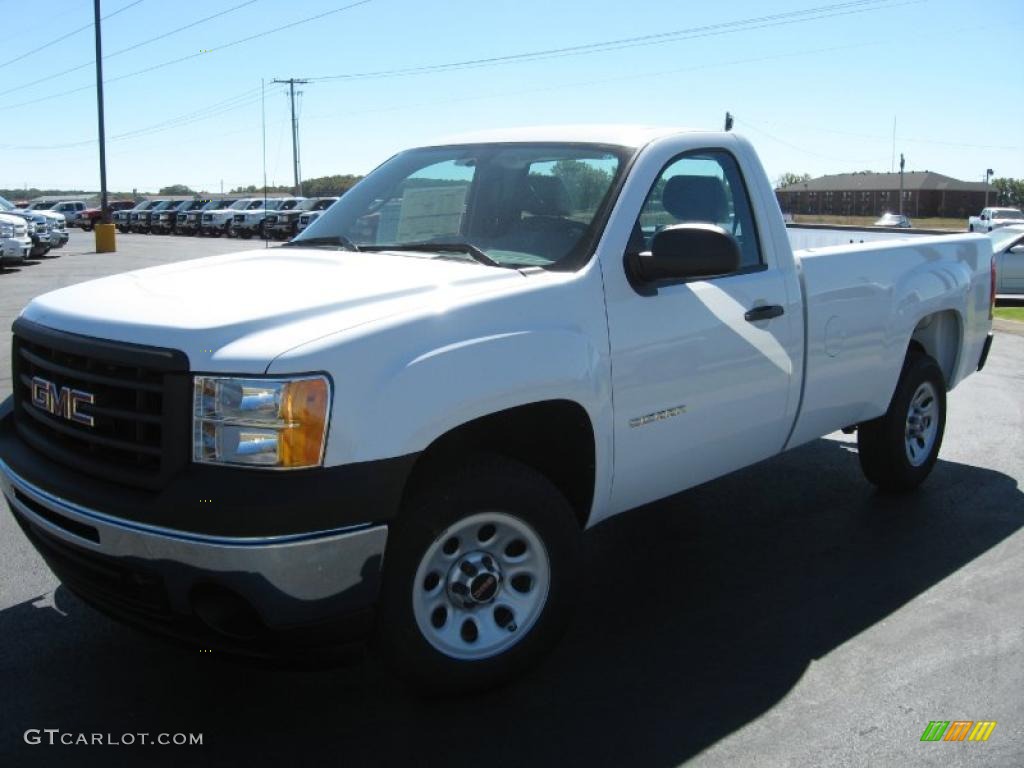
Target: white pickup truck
{"points": [[994, 218], [401, 422]]}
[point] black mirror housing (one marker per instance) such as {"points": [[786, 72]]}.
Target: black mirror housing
{"points": [[687, 251]]}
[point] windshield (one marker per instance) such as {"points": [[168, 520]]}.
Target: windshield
{"points": [[287, 205], [252, 205], [239, 205], [520, 204], [322, 204], [1007, 213], [1004, 238], [6, 205]]}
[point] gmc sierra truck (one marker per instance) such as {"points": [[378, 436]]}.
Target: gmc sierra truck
{"points": [[252, 221], [190, 221], [994, 218], [284, 224], [15, 242], [400, 423], [219, 221]]}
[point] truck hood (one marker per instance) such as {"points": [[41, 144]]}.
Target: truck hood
{"points": [[237, 312]]}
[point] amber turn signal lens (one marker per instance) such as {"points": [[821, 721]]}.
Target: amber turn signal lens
{"points": [[304, 405]]}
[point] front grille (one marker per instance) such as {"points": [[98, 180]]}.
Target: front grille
{"points": [[207, 217], [140, 411], [271, 219], [239, 218]]}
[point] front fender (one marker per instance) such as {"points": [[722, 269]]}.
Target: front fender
{"points": [[443, 388]]}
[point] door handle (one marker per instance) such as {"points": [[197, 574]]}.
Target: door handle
{"points": [[767, 312]]}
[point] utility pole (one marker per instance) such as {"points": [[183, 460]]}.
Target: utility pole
{"points": [[989, 173], [292, 82], [105, 240], [902, 163]]}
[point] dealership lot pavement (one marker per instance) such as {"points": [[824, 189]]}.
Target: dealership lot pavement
{"points": [[784, 615]]}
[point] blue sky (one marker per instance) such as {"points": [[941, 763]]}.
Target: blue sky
{"points": [[818, 95]]}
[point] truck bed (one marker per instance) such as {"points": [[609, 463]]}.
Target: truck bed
{"points": [[862, 302]]}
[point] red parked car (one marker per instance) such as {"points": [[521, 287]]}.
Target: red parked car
{"points": [[88, 218]]}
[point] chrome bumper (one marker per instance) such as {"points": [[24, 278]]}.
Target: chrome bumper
{"points": [[288, 580]]}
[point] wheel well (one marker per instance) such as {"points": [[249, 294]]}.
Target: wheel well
{"points": [[939, 336], [554, 437]]}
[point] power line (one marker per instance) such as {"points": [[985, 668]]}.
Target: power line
{"points": [[126, 50], [905, 139], [216, 109], [206, 52], [647, 75], [710, 30], [69, 34]]}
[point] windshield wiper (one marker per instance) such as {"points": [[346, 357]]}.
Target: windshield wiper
{"points": [[467, 248], [341, 240]]}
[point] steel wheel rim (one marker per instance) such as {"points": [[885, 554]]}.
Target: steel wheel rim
{"points": [[484, 610], [922, 426]]}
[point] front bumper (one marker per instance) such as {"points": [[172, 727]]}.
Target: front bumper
{"points": [[15, 247], [248, 594], [59, 238], [146, 558]]}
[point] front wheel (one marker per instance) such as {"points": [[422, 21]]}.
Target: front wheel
{"points": [[480, 574], [898, 450]]}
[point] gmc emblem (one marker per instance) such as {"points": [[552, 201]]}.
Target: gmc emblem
{"points": [[61, 402]]}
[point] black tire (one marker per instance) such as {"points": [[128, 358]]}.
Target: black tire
{"points": [[970, 228], [481, 483], [87, 227], [882, 442]]}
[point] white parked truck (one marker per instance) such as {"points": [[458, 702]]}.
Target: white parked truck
{"points": [[220, 221], [14, 239], [253, 221], [994, 218], [400, 423]]}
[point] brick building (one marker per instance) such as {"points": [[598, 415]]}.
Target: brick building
{"points": [[925, 194]]}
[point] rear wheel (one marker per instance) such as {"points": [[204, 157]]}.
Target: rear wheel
{"points": [[480, 574], [898, 450]]}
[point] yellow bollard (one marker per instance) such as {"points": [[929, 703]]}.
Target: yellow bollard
{"points": [[106, 241]]}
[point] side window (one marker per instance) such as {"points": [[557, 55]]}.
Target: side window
{"points": [[706, 187]]}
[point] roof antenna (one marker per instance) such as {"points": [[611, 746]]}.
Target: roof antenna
{"points": [[728, 121]]}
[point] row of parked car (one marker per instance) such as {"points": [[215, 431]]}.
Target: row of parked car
{"points": [[273, 217], [31, 232]]}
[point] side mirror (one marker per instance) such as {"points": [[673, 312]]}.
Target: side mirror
{"points": [[686, 251]]}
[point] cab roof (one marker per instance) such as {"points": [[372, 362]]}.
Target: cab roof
{"points": [[617, 135]]}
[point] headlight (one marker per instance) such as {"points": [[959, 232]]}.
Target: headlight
{"points": [[277, 423]]}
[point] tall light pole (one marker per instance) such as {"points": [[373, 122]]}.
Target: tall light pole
{"points": [[292, 82], [989, 173], [902, 163], [105, 238]]}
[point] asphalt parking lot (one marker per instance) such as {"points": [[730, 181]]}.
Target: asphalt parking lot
{"points": [[784, 615]]}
